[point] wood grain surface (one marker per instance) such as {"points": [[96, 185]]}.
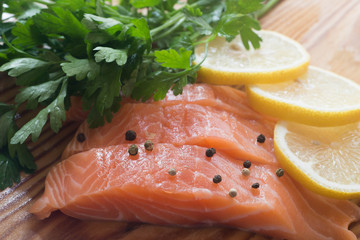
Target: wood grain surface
{"points": [[329, 30]]}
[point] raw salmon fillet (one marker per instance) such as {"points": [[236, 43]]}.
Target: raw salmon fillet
{"points": [[203, 115], [100, 180]]}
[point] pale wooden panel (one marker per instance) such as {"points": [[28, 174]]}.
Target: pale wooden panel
{"points": [[329, 30]]}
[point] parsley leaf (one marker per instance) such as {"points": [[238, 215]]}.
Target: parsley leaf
{"points": [[110, 55], [234, 22], [20, 152], [157, 84], [80, 68], [19, 66], [141, 30], [56, 110], [22, 8], [171, 58], [72, 5], [5, 108], [34, 76], [26, 34], [102, 30], [13, 158], [38, 93], [9, 171], [243, 6], [110, 88], [6, 120], [93, 22], [144, 3], [248, 6], [195, 16], [58, 23], [243, 25], [102, 95], [247, 34]]}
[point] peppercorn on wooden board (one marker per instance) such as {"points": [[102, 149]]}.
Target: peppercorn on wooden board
{"points": [[328, 29]]}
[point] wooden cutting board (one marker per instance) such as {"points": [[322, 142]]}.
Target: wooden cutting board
{"points": [[329, 30]]}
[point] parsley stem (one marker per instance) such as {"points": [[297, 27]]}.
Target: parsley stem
{"points": [[266, 8], [179, 16], [173, 20], [16, 49], [117, 15], [170, 30], [207, 40]]}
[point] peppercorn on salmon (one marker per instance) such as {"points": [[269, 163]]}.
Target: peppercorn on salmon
{"points": [[175, 183], [108, 183], [203, 115]]}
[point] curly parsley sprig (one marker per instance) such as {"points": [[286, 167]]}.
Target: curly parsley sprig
{"points": [[90, 48]]}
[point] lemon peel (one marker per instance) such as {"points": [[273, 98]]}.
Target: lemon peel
{"points": [[278, 59], [325, 160], [318, 98]]}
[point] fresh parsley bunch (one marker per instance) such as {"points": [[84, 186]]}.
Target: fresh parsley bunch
{"points": [[102, 52]]}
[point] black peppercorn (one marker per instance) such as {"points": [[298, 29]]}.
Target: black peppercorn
{"points": [[217, 179], [80, 137], [130, 135], [247, 164], [255, 185], [261, 138], [280, 172], [17, 116], [210, 152]]}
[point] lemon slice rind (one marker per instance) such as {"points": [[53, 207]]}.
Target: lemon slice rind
{"points": [[235, 75], [304, 172], [295, 110]]}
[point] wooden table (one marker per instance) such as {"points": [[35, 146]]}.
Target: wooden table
{"points": [[329, 30]]}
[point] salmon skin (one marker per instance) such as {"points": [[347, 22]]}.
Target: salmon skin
{"points": [[106, 182]]}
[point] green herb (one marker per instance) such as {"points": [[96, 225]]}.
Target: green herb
{"points": [[90, 48], [13, 157]]}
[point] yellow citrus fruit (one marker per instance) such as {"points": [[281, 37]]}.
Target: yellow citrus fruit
{"points": [[278, 59], [318, 98], [323, 159]]}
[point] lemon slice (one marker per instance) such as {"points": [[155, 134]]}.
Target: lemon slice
{"points": [[278, 59], [323, 159], [318, 98]]}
